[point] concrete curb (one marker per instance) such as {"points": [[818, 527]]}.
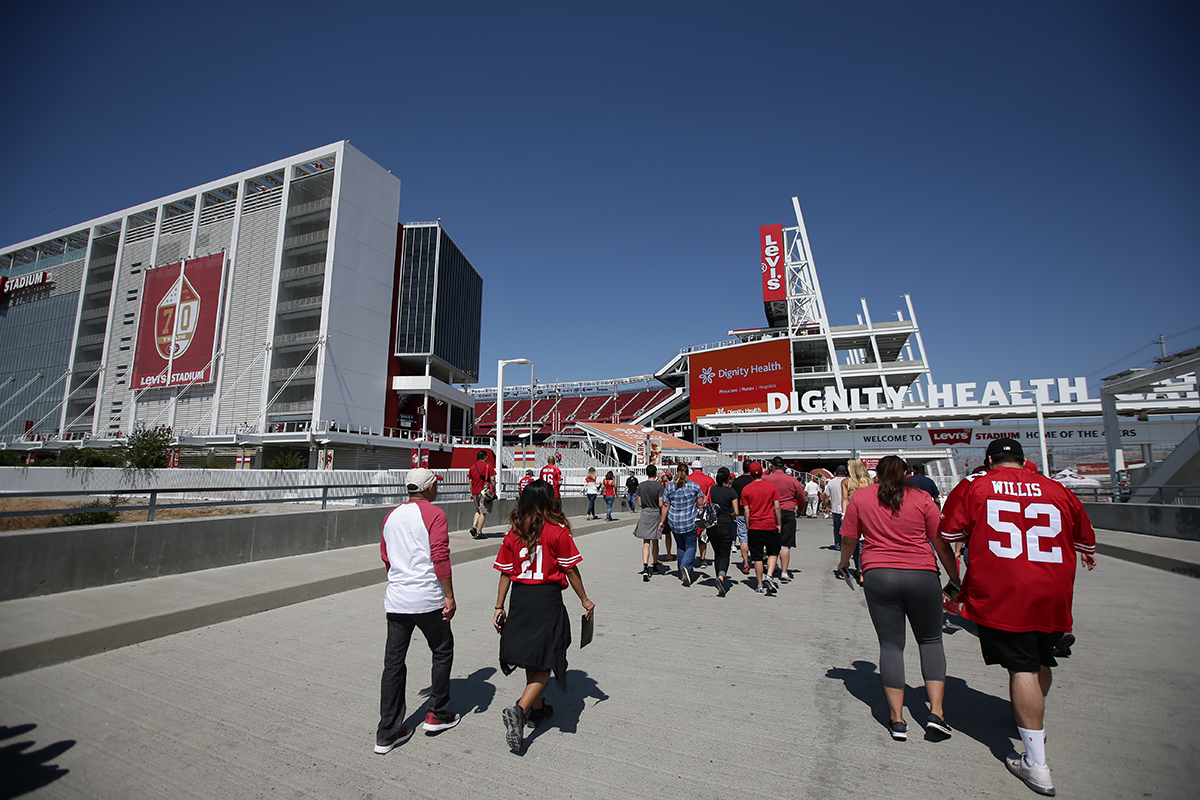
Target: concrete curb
{"points": [[1149, 559], [56, 649]]}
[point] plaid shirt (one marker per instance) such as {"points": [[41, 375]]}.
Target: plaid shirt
{"points": [[681, 515]]}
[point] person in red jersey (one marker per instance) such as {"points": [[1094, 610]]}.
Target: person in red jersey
{"points": [[537, 559], [760, 499], [705, 483], [552, 475], [483, 476], [792, 498], [1023, 530], [528, 479]]}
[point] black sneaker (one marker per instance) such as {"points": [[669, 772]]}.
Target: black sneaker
{"points": [[514, 727], [477, 534], [383, 748], [899, 731], [685, 577], [1063, 648], [721, 587], [936, 723], [769, 584], [645, 573]]}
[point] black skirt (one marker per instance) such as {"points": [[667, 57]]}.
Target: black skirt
{"points": [[537, 632]]}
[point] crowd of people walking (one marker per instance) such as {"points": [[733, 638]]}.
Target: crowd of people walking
{"points": [[1019, 533]]}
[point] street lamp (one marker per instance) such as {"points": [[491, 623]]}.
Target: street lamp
{"points": [[1041, 420], [500, 365]]}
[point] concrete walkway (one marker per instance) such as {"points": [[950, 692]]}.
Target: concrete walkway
{"points": [[683, 694]]}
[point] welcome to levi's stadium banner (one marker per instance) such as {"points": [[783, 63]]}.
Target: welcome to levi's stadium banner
{"points": [[737, 378], [177, 326]]}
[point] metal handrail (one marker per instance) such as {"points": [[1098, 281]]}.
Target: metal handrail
{"points": [[448, 491]]}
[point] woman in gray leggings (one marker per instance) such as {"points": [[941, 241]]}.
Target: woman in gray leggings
{"points": [[897, 524]]}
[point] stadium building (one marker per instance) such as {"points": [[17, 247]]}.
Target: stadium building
{"points": [[818, 393], [283, 307]]}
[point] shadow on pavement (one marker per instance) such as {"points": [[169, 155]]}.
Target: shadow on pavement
{"points": [[568, 703], [863, 682], [472, 694], [22, 770], [983, 717]]}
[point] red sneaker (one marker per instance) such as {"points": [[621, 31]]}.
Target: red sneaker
{"points": [[435, 723]]}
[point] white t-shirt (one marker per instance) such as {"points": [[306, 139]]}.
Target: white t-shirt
{"points": [[834, 489], [812, 489]]}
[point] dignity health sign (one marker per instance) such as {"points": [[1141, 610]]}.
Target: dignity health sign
{"points": [[737, 379], [177, 326]]}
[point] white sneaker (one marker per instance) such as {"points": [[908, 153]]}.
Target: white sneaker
{"points": [[1036, 777]]}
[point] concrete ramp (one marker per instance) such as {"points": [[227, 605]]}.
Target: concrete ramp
{"points": [[1180, 469]]}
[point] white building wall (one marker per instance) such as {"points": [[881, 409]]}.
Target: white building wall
{"points": [[352, 384]]}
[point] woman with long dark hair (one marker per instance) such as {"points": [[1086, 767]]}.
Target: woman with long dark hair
{"points": [[725, 498], [897, 524], [537, 558], [610, 494]]}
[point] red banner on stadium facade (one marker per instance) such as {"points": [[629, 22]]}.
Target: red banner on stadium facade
{"points": [[738, 378], [177, 326], [770, 239]]}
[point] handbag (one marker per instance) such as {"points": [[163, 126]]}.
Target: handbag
{"points": [[706, 516]]}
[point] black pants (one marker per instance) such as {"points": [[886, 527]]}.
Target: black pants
{"points": [[437, 633], [894, 595], [720, 536], [837, 531]]}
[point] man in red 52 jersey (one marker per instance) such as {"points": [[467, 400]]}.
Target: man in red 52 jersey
{"points": [[1023, 531]]}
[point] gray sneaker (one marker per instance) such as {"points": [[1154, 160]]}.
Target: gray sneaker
{"points": [[514, 727], [1036, 777]]}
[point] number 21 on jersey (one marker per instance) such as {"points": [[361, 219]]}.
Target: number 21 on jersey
{"points": [[1029, 541], [527, 564]]}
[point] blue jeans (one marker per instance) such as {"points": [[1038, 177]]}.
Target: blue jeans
{"points": [[632, 501], [591, 505], [608, 498], [685, 544]]}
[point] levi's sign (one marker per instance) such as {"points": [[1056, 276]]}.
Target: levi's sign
{"points": [[770, 240]]}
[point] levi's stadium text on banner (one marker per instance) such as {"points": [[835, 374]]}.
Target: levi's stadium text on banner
{"points": [[732, 379], [177, 327]]}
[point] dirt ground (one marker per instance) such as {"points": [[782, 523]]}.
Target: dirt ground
{"points": [[43, 520]]}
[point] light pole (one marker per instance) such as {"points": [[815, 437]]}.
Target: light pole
{"points": [[500, 365], [1041, 420]]}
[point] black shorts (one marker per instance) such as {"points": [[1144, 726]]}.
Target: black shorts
{"points": [[1022, 651], [787, 528], [763, 541]]}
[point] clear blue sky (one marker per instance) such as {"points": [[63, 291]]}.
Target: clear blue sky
{"points": [[1032, 166]]}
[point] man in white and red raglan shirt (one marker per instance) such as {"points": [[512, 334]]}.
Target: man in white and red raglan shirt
{"points": [[552, 475], [1023, 531], [415, 546]]}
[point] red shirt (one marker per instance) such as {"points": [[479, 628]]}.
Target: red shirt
{"points": [[894, 542], [791, 493], [481, 472], [523, 483], [553, 476], [610, 488], [758, 497], [1024, 530], [703, 481], [554, 554]]}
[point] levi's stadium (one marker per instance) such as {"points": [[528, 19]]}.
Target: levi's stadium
{"points": [[286, 309]]}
